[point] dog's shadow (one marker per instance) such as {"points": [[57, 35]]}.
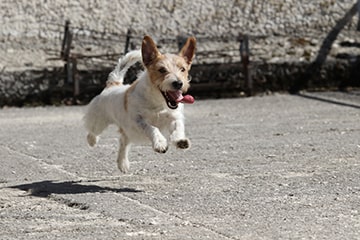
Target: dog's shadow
{"points": [[48, 187]]}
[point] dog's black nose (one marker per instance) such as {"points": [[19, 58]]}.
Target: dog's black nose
{"points": [[177, 84]]}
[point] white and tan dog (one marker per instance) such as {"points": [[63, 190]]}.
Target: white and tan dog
{"points": [[150, 108]]}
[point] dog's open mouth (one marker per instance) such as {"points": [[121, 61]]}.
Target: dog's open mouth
{"points": [[173, 98]]}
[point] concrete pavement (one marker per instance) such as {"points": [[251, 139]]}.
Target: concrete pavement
{"points": [[273, 167]]}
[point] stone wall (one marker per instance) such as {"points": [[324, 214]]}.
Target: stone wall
{"points": [[281, 31], [31, 27]]}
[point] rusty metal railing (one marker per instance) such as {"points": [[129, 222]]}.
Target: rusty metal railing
{"points": [[71, 57]]}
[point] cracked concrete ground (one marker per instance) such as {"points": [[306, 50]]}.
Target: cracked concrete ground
{"points": [[274, 167]]}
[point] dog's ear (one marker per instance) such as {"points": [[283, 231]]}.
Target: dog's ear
{"points": [[149, 51], [188, 50]]}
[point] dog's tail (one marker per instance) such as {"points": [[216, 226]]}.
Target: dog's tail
{"points": [[118, 74]]}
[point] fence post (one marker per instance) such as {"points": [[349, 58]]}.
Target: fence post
{"points": [[245, 55], [70, 61], [181, 40], [358, 8], [127, 43], [65, 48], [75, 79], [65, 52]]}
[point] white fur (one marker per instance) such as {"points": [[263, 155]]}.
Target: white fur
{"points": [[146, 117]]}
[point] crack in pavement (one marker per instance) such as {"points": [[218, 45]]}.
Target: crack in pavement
{"points": [[56, 191], [186, 222]]}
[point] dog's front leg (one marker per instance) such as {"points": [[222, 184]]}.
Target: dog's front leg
{"points": [[159, 142], [178, 134]]}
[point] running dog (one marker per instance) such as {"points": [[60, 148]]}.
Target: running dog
{"points": [[151, 108]]}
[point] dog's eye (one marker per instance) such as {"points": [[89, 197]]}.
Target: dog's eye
{"points": [[182, 69], [162, 70]]}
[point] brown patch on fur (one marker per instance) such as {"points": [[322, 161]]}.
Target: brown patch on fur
{"points": [[168, 66], [121, 131], [149, 51], [128, 91], [188, 50], [112, 83], [172, 65]]}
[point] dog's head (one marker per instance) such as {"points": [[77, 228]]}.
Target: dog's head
{"points": [[169, 72]]}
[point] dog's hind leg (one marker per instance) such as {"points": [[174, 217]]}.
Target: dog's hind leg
{"points": [[124, 147], [91, 139], [95, 123], [94, 131]]}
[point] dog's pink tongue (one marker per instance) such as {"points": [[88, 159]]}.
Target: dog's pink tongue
{"points": [[178, 97], [187, 99]]}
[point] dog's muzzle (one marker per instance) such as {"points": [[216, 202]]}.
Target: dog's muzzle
{"points": [[173, 98]]}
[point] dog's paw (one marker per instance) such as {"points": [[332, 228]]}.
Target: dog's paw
{"points": [[160, 145], [183, 143], [123, 165], [92, 139]]}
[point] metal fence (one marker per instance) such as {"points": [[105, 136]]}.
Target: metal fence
{"points": [[83, 48]]}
